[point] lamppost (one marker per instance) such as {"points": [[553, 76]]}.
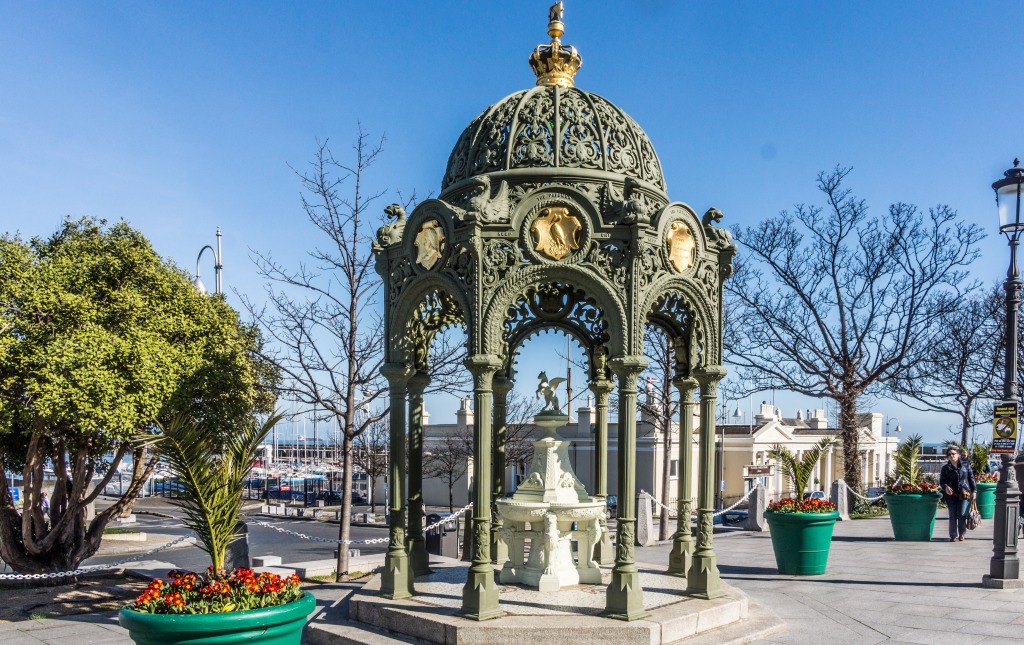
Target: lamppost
{"points": [[888, 451], [1004, 567], [218, 266]]}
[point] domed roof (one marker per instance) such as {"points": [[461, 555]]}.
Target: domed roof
{"points": [[557, 128]]}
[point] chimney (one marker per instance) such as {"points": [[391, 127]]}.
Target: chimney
{"points": [[585, 418], [766, 414], [819, 421], [464, 417]]}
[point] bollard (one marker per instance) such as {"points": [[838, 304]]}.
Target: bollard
{"points": [[841, 499], [645, 535], [755, 511]]}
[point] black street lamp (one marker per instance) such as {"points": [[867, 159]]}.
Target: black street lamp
{"points": [[1004, 567]]}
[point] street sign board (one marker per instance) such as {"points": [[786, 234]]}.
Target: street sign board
{"points": [[752, 470], [1004, 429], [14, 492]]}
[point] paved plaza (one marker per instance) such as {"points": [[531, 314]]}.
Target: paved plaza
{"points": [[876, 590]]}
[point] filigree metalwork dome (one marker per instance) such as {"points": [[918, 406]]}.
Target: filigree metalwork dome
{"points": [[551, 130]]}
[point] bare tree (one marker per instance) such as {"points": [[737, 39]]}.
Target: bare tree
{"points": [[322, 319], [962, 367], [661, 408], [371, 456], [520, 431], [447, 459], [830, 302]]}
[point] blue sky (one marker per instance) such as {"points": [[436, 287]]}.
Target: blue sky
{"points": [[180, 117]]}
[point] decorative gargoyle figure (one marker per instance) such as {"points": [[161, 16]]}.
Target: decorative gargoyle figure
{"points": [[719, 239], [392, 231], [546, 389], [633, 208], [482, 206]]}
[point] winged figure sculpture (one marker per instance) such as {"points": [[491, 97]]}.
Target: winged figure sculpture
{"points": [[547, 389]]}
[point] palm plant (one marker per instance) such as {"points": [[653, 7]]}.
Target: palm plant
{"points": [[798, 471], [212, 471], [905, 466]]}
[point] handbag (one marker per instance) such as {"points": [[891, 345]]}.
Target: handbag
{"points": [[974, 516]]}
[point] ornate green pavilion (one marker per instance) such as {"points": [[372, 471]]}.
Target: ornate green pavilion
{"points": [[553, 213]]}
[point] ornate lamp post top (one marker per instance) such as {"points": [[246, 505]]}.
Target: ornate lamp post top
{"points": [[1008, 194]]}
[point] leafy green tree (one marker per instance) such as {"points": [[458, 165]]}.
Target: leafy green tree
{"points": [[100, 338]]}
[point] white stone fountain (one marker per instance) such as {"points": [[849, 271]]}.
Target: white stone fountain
{"points": [[550, 509]]}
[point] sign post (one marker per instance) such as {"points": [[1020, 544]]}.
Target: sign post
{"points": [[753, 470], [1004, 429]]}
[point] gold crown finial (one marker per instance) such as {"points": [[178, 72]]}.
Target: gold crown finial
{"points": [[555, 64]]}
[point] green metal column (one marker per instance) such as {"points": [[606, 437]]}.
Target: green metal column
{"points": [[625, 597], [703, 580], [480, 595], [681, 558], [418, 557], [397, 578], [499, 550], [604, 553]]}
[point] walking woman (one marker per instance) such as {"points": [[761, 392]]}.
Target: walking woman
{"points": [[957, 484]]}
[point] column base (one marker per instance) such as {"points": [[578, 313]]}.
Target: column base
{"points": [[419, 559], [480, 595], [396, 581], [624, 599], [702, 580], [681, 558]]}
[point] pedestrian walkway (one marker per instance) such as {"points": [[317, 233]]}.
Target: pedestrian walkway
{"points": [[875, 590]]}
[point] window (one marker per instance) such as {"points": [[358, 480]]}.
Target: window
{"points": [[673, 468]]}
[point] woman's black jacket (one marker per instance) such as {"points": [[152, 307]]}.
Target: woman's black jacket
{"points": [[959, 478]]}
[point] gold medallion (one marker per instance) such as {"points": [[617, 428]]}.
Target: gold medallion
{"points": [[556, 232], [681, 246], [429, 241]]}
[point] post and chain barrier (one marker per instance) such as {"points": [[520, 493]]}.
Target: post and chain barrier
{"points": [[98, 567], [717, 513], [382, 540], [191, 536], [866, 499]]}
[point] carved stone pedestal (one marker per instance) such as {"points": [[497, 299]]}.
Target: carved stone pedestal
{"points": [[551, 509]]}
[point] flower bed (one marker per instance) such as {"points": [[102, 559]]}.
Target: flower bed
{"points": [[920, 488], [790, 505], [987, 478], [192, 593]]}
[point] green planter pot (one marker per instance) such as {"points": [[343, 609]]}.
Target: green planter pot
{"points": [[280, 625], [801, 541], [986, 499], [912, 516]]}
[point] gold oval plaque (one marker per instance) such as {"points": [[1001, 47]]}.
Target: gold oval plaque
{"points": [[681, 246], [556, 233]]}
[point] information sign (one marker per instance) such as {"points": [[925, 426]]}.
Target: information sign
{"points": [[1004, 429]]}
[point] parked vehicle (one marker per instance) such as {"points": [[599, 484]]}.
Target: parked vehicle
{"points": [[731, 518], [334, 497], [815, 494]]}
